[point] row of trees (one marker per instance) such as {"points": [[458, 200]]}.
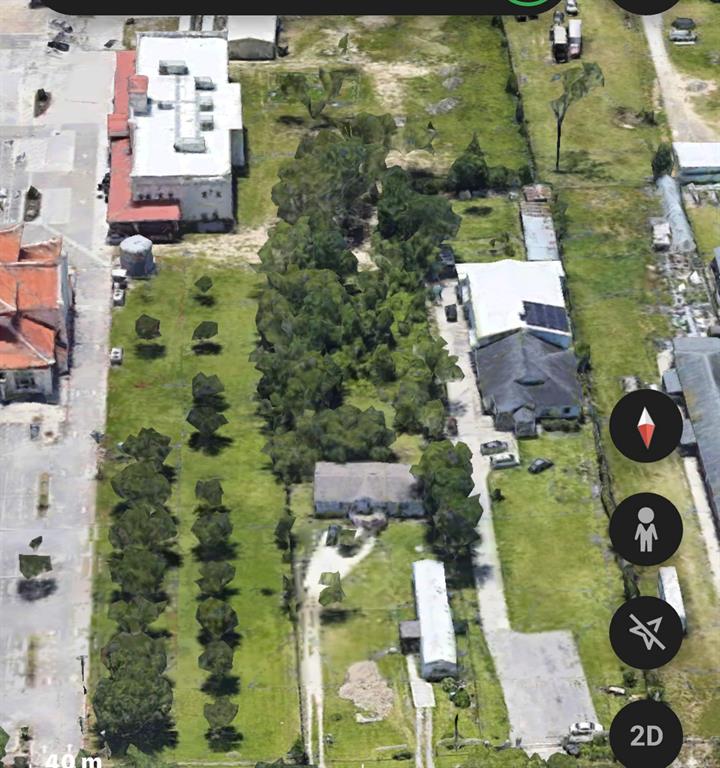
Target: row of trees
{"points": [[133, 702], [213, 530]]}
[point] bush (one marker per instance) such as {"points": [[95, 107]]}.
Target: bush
{"points": [[663, 161]]}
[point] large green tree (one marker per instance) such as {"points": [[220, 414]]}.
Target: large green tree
{"points": [[216, 617], [138, 571]]}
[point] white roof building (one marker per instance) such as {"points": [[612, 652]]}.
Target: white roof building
{"points": [[698, 161], [438, 652], [669, 591], [192, 108], [507, 295]]}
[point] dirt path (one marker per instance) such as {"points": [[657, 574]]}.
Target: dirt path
{"points": [[323, 559], [686, 124]]}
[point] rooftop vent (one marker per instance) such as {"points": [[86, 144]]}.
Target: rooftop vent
{"points": [[194, 144], [204, 84], [205, 103], [172, 67], [207, 122], [165, 105]]}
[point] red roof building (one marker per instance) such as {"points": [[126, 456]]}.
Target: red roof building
{"points": [[158, 220], [36, 299]]}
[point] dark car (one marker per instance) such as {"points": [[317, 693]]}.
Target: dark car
{"points": [[683, 23], [451, 313], [446, 261], [333, 535], [492, 447], [539, 465], [58, 45]]}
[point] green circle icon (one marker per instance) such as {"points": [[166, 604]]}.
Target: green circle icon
{"points": [[528, 3]]}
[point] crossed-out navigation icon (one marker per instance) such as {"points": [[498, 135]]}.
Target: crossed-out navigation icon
{"points": [[646, 632]]}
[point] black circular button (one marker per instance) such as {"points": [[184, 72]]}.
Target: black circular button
{"points": [[646, 529], [646, 425], [646, 632], [646, 7], [646, 733]]}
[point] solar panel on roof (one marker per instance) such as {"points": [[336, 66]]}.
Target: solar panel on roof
{"points": [[546, 316]]}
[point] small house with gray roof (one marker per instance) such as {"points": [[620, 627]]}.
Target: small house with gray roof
{"points": [[524, 379], [366, 487]]}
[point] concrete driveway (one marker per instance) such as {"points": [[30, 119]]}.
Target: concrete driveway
{"points": [[65, 156], [541, 674]]}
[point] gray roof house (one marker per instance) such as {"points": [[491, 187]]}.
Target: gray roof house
{"points": [[365, 487], [697, 361], [438, 651], [524, 379]]}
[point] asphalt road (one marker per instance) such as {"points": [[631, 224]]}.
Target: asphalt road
{"points": [[42, 640]]}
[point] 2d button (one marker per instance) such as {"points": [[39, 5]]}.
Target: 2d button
{"points": [[646, 733], [646, 632], [646, 425], [646, 529]]}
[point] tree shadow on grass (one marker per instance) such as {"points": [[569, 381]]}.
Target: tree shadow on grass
{"points": [[291, 120], [231, 638], [204, 300], [150, 351], [338, 615], [153, 738], [207, 348], [580, 162], [36, 589], [221, 685], [224, 551], [223, 739], [210, 445]]}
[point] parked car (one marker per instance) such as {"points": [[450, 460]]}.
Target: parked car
{"points": [[333, 535], [683, 36], [585, 731], [58, 43], [539, 465], [616, 690], [118, 297], [504, 461], [571, 7], [451, 313], [575, 38], [116, 356], [559, 38], [34, 431], [452, 426], [493, 446], [683, 22]]}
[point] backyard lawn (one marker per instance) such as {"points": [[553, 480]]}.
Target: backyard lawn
{"points": [[157, 393], [490, 229], [558, 571]]}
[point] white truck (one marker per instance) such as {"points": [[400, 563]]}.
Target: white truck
{"points": [[575, 38]]}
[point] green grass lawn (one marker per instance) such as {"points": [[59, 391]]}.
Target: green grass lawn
{"points": [[490, 230], [702, 60], [552, 537], [705, 221], [157, 393]]}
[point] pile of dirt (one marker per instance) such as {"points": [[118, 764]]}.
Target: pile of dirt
{"points": [[367, 689]]}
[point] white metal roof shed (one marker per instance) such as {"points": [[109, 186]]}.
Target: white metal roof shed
{"points": [[438, 652]]}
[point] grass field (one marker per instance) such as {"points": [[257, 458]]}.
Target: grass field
{"points": [[702, 60], [490, 230], [558, 572], [156, 393], [615, 294]]}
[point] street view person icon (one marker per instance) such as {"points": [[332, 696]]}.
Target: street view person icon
{"points": [[646, 532]]}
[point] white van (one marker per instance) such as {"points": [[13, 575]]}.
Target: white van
{"points": [[575, 38]]}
